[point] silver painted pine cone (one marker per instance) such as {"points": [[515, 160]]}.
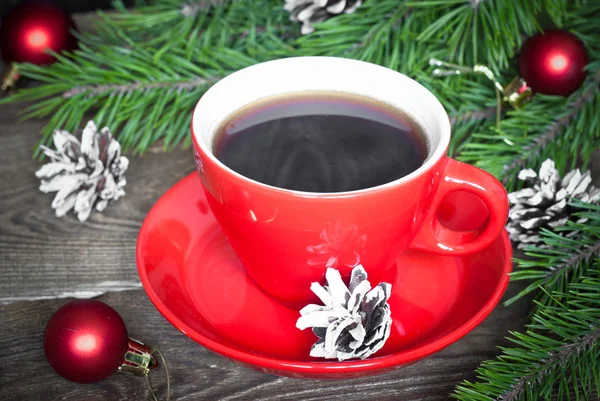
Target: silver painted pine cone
{"points": [[310, 12], [544, 203], [353, 322], [83, 174]]}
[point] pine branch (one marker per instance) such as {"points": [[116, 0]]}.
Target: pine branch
{"points": [[155, 23], [532, 150], [473, 115], [474, 32], [564, 257], [558, 354], [114, 89], [167, 24], [584, 254], [556, 357], [385, 32], [193, 9], [154, 101], [350, 34], [464, 123], [553, 362], [568, 136], [392, 20], [143, 92]]}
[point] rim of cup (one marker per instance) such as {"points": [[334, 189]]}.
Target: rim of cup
{"points": [[294, 75]]}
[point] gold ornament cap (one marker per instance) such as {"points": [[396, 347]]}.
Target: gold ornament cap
{"points": [[9, 78], [139, 360], [517, 92]]}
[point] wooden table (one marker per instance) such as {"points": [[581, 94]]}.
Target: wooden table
{"points": [[45, 261]]}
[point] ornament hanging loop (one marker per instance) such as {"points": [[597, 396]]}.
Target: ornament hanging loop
{"points": [[516, 93], [449, 68], [455, 69]]}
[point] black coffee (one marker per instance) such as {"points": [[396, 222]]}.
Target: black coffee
{"points": [[321, 143]]}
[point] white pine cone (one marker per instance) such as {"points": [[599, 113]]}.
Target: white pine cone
{"points": [[545, 202], [310, 12], [83, 174], [354, 322]]}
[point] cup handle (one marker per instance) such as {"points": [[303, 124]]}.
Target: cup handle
{"points": [[432, 236]]}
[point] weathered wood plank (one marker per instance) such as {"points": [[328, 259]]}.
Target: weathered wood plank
{"points": [[198, 374], [45, 256]]}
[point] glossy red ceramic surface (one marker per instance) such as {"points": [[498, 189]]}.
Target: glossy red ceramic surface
{"points": [[287, 239], [197, 282]]}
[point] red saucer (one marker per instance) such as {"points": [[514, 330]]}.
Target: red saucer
{"points": [[196, 281]]}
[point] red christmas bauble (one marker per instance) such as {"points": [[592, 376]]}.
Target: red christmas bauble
{"points": [[31, 27], [552, 62], [85, 341]]}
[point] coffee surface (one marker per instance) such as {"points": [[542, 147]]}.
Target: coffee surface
{"points": [[321, 143]]}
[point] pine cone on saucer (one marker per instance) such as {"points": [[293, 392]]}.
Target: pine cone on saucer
{"points": [[310, 12], [83, 174], [545, 202], [354, 322]]}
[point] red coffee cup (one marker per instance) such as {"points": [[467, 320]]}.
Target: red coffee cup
{"points": [[286, 239]]}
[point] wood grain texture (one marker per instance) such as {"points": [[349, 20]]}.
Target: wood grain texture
{"points": [[44, 256], [198, 374]]}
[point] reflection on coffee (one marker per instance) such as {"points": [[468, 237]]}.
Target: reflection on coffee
{"points": [[321, 142]]}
